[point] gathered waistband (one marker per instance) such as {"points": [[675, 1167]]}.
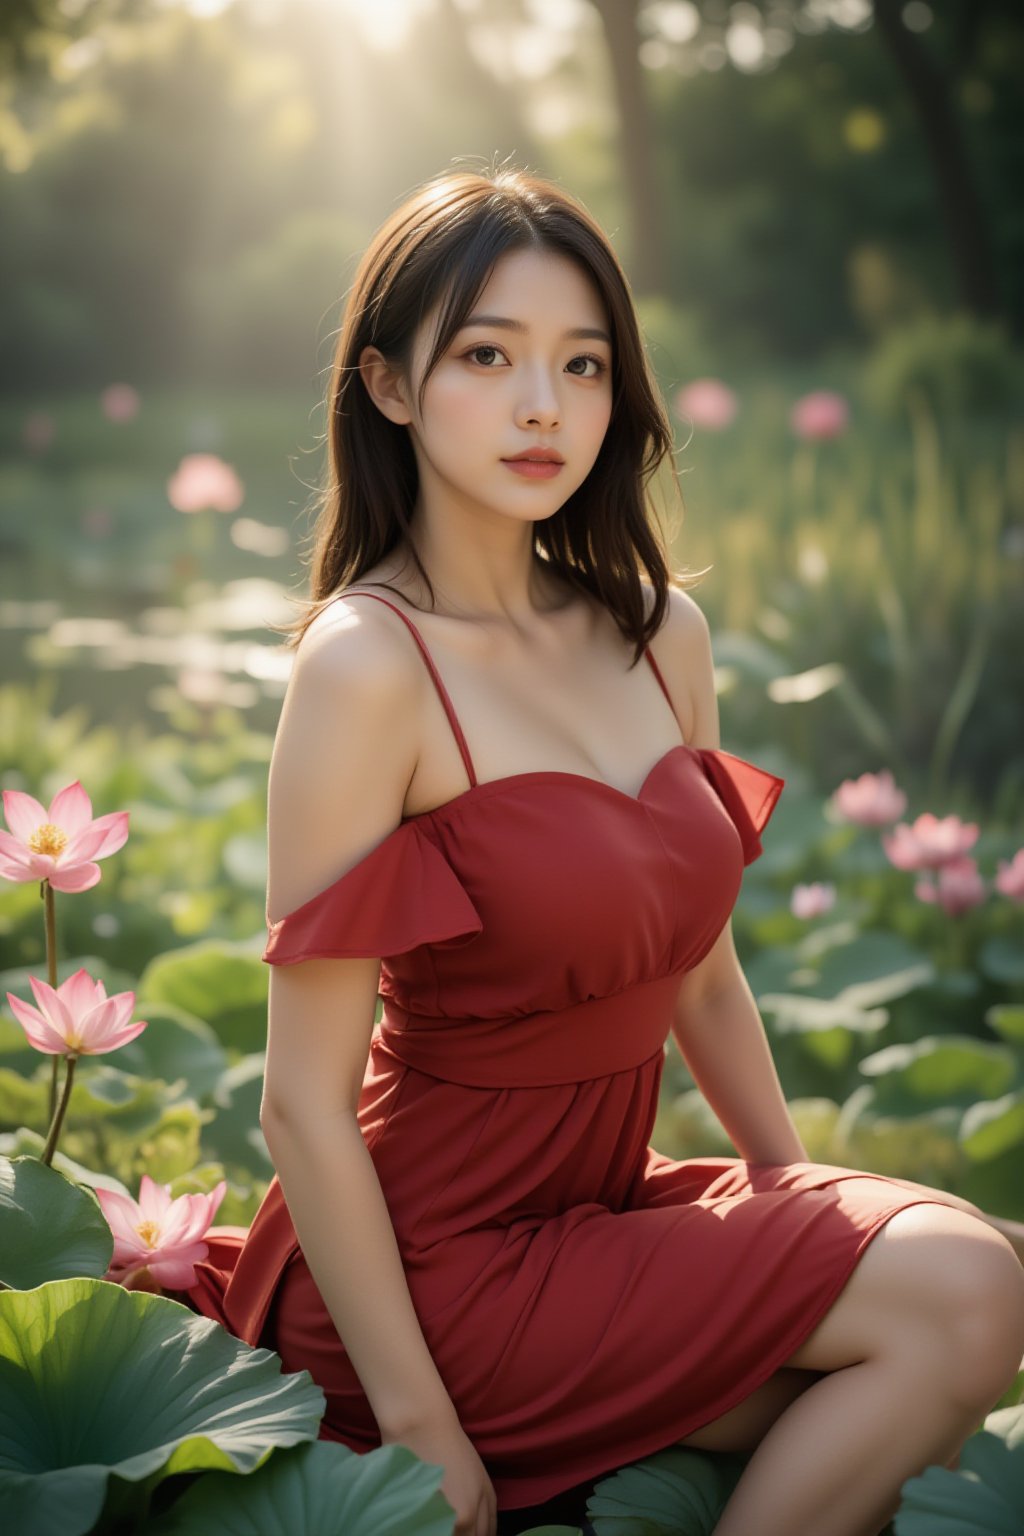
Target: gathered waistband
{"points": [[593, 1038]]}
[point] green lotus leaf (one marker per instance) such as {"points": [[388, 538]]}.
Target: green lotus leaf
{"points": [[49, 1228], [676, 1492], [322, 1489], [988, 1129], [1007, 1019], [123, 1102], [103, 1386], [225, 984], [941, 1069], [983, 1497], [234, 1136], [1002, 959], [176, 1048]]}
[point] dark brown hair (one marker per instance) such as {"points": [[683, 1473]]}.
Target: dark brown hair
{"points": [[438, 249]]}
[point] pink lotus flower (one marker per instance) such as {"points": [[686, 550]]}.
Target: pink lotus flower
{"points": [[77, 1018], [203, 480], [58, 844], [820, 414], [871, 800], [156, 1237], [119, 402], [957, 887], [1009, 880], [707, 403], [930, 841], [812, 900]]}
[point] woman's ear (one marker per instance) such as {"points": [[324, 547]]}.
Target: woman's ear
{"points": [[384, 385]]}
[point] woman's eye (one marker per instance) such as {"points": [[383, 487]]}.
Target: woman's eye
{"points": [[588, 357], [583, 357]]}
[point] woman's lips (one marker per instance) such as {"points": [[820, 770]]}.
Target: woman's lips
{"points": [[534, 469]]}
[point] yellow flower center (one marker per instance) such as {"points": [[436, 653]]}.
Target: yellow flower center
{"points": [[48, 838], [149, 1231]]}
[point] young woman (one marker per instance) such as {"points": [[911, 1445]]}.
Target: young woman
{"points": [[498, 798]]}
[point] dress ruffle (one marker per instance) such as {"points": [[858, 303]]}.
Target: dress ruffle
{"points": [[404, 893]]}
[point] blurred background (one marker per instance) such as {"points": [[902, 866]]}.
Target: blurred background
{"points": [[817, 203]]}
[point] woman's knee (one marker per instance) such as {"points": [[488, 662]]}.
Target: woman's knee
{"points": [[932, 1277]]}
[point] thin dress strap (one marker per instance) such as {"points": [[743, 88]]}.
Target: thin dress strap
{"points": [[449, 708], [657, 672]]}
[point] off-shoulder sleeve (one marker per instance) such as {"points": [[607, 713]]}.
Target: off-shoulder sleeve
{"points": [[748, 793], [402, 894]]}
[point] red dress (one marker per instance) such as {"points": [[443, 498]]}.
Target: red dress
{"points": [[587, 1300]]}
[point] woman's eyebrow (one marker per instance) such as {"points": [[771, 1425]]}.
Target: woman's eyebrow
{"points": [[582, 331]]}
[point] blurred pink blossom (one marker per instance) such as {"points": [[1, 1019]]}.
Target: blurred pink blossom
{"points": [[811, 900], [38, 431], [156, 1237], [58, 844], [872, 800], [77, 1018], [119, 402], [203, 480], [1009, 879], [707, 403], [820, 414], [929, 842], [956, 887]]}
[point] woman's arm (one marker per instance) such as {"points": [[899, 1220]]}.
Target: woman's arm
{"points": [[716, 1023], [345, 749], [722, 1041]]}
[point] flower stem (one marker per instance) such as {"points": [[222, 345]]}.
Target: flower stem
{"points": [[58, 1119], [50, 920]]}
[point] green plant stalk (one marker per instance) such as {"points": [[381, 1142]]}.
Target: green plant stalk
{"points": [[58, 1119], [50, 923]]}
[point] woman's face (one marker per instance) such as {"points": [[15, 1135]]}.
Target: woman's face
{"points": [[534, 373]]}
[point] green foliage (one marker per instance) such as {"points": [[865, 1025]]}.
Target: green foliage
{"points": [[955, 364], [50, 1229], [677, 1492], [983, 1497], [101, 1386], [320, 1490]]}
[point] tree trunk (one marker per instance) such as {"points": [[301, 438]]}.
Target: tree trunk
{"points": [[960, 203], [647, 265]]}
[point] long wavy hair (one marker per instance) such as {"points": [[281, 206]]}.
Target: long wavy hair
{"points": [[438, 249]]}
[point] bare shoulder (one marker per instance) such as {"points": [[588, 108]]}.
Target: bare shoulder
{"points": [[346, 747], [682, 649]]}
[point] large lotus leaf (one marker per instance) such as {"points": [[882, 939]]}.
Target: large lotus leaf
{"points": [[98, 1381], [989, 1129], [792, 1012], [878, 964], [223, 983], [983, 1497], [234, 1136], [322, 1489], [177, 1049], [49, 1228], [940, 1069], [675, 1492]]}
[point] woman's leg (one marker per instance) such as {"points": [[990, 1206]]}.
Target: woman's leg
{"points": [[925, 1337]]}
